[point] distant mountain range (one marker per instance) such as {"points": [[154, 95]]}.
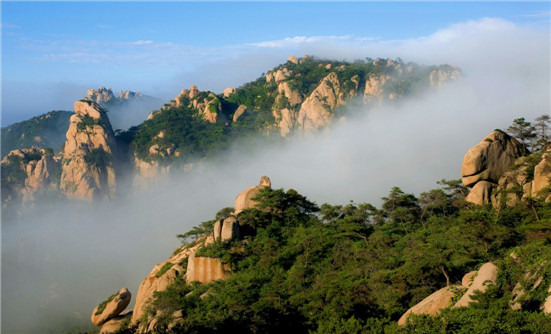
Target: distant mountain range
{"points": [[133, 135]]}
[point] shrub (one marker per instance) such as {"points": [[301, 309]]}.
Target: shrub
{"points": [[98, 157]]}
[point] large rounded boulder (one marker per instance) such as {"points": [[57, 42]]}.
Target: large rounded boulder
{"points": [[245, 199], [490, 159], [111, 307]]}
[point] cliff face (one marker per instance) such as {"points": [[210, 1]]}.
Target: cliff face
{"points": [[185, 262], [87, 168], [27, 174]]}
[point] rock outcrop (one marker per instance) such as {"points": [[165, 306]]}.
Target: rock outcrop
{"points": [[206, 269], [101, 95], [432, 305], [441, 299], [161, 276], [486, 275], [487, 162], [315, 111], [546, 307], [226, 229], [111, 307], [185, 261], [31, 172], [528, 178], [438, 77], [228, 91], [114, 325], [129, 95], [87, 168], [542, 178], [481, 193], [239, 112], [244, 200]]}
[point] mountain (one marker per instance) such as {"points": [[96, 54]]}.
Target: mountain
{"points": [[128, 109], [47, 130], [277, 262], [297, 98]]}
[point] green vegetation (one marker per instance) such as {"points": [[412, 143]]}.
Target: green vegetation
{"points": [[47, 130], [356, 268], [189, 136], [164, 269], [103, 304], [87, 122], [98, 157], [193, 137], [535, 137], [13, 172]]}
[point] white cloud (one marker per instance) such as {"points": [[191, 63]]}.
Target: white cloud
{"points": [[540, 14]]}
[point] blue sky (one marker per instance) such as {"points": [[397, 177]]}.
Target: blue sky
{"points": [[57, 50]]}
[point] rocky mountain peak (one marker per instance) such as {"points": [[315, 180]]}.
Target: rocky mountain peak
{"points": [[87, 170], [101, 95], [129, 95]]}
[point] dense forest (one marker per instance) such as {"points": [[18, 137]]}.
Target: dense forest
{"points": [[299, 267], [355, 268]]}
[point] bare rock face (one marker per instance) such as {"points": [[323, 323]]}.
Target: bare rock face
{"points": [[285, 103], [487, 162], [542, 175], [282, 74], [101, 95], [87, 169], [481, 193], [228, 91], [115, 324], [293, 96], [546, 307], [293, 59], [439, 77], [244, 199], [226, 229], [286, 120], [112, 307], [230, 229], [490, 159], [468, 279], [217, 231], [38, 169], [193, 91], [213, 110], [315, 111], [433, 304], [240, 111], [374, 88], [161, 276], [129, 95], [486, 275], [206, 269]]}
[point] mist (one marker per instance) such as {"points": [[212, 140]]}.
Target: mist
{"points": [[132, 112], [59, 262]]}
